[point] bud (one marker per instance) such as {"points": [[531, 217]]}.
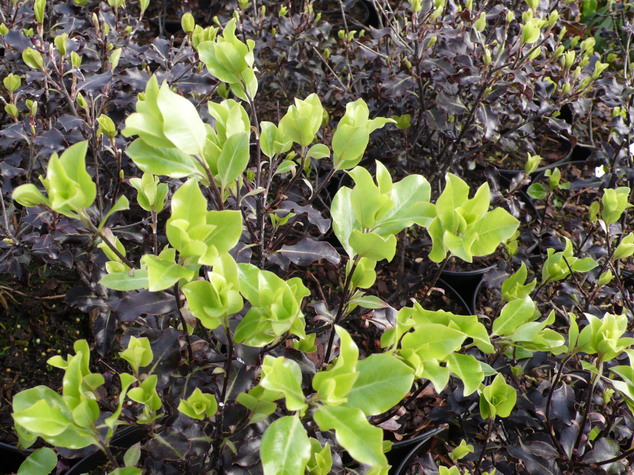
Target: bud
{"points": [[12, 110], [552, 18], [416, 5], [75, 59], [481, 23], [436, 14], [244, 4], [535, 53], [587, 45], [144, 5], [599, 67], [562, 33], [283, 11], [106, 126], [81, 101], [407, 63], [584, 62], [106, 28], [197, 36], [606, 278], [95, 22], [510, 16], [574, 41], [28, 32], [559, 51], [487, 56], [114, 58], [626, 248], [327, 53], [187, 22], [527, 16], [468, 5], [32, 106], [61, 42], [530, 32], [566, 88], [12, 82], [33, 58], [532, 163], [532, 4], [432, 41], [568, 59], [39, 7]]}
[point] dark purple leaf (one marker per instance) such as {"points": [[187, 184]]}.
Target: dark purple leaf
{"points": [[307, 251], [314, 216], [145, 303], [17, 40], [97, 81]]}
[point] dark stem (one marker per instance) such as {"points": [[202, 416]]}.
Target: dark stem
{"points": [[549, 399], [476, 469], [177, 295], [345, 296], [86, 221], [223, 396], [586, 408]]}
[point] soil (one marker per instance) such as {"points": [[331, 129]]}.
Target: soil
{"points": [[35, 324]]}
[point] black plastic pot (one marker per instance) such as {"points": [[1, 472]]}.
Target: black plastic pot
{"points": [[405, 451], [11, 457], [122, 440], [466, 284]]}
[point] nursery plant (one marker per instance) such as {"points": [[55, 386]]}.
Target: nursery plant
{"points": [[237, 255]]}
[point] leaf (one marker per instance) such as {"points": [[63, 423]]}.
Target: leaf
{"points": [[41, 462], [307, 251], [234, 158], [182, 124], [468, 369], [383, 381], [162, 161], [125, 281], [284, 376], [43, 418], [373, 246], [145, 303], [354, 433], [584, 265], [285, 447], [120, 205], [514, 314], [410, 198], [494, 228], [537, 191], [368, 301], [318, 150], [433, 340], [163, 274]]}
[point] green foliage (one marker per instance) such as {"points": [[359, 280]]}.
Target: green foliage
{"points": [[429, 341], [515, 286], [231, 61], [497, 399], [380, 211], [68, 185], [285, 447], [353, 134], [603, 336], [138, 353], [614, 203], [199, 405], [41, 462], [464, 227], [275, 306], [560, 264], [150, 192]]}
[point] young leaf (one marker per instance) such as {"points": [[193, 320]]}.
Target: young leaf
{"points": [[284, 376], [182, 124], [362, 440], [383, 381], [40, 462], [234, 158], [285, 447], [162, 161], [514, 314]]}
